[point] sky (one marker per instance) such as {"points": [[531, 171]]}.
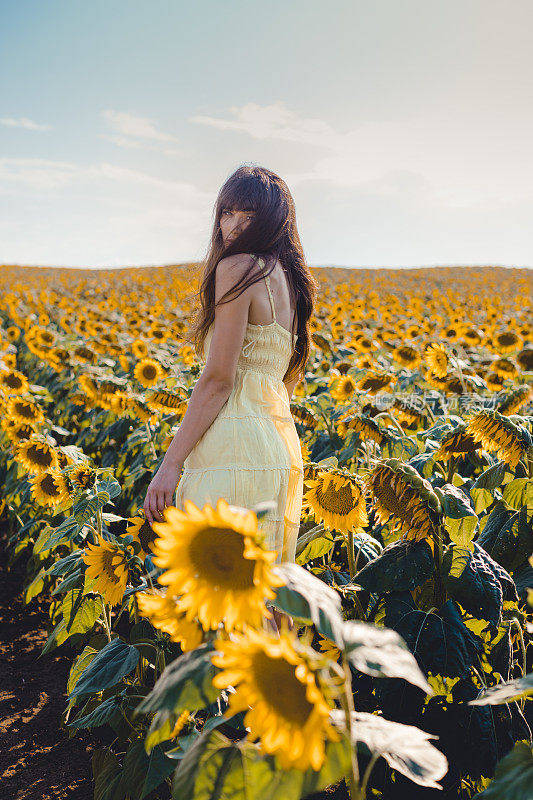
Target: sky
{"points": [[403, 128]]}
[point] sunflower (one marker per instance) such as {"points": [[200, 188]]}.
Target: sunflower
{"points": [[505, 368], [162, 611], [337, 500], [148, 372], [167, 401], [286, 696], [363, 344], [472, 337], [456, 443], [525, 359], [366, 427], [14, 382], [515, 400], [321, 342], [85, 354], [88, 386], [140, 409], [365, 362], [344, 388], [10, 360], [303, 415], [373, 382], [402, 495], [435, 381], [24, 410], [306, 453], [142, 532], [139, 349], [49, 488], [16, 431], [37, 455], [216, 560], [83, 476], [327, 647], [107, 565], [497, 433], [436, 356], [406, 411], [124, 362], [494, 381], [407, 356], [13, 333], [506, 342]]}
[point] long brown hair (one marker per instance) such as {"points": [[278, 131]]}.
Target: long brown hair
{"points": [[271, 234]]}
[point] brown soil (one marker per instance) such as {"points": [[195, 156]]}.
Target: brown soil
{"points": [[37, 759]]}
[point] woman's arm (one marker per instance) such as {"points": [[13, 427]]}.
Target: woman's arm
{"points": [[215, 384], [212, 388]]}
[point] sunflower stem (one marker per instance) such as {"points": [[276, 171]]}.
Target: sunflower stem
{"points": [[347, 704], [99, 521], [530, 462], [516, 623], [430, 412], [367, 772], [440, 594], [392, 419], [105, 620], [451, 469], [351, 554], [150, 439]]}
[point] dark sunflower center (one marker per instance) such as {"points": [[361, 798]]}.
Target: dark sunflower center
{"points": [[281, 689], [107, 566], [339, 501], [507, 339], [217, 555], [25, 410], [12, 381], [149, 372], [48, 486], [38, 456]]}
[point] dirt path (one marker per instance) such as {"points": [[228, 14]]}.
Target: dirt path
{"points": [[37, 759]]}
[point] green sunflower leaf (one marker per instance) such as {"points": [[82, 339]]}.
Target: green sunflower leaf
{"points": [[186, 683], [143, 772], [405, 748], [513, 777], [381, 652], [214, 766], [506, 692], [402, 565], [116, 660], [310, 600]]}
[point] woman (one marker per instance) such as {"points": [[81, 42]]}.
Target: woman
{"points": [[237, 439]]}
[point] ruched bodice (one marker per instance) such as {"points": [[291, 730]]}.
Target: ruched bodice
{"points": [[251, 452]]}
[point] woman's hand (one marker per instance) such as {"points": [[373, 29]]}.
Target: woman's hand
{"points": [[161, 490]]}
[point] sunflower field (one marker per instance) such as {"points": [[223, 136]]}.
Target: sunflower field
{"points": [[408, 672]]}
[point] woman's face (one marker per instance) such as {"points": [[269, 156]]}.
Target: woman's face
{"points": [[233, 222]]}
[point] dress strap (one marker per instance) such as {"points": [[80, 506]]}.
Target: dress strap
{"points": [[267, 281]]}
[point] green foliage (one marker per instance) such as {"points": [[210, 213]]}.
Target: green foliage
{"points": [[214, 766], [116, 660], [402, 565], [513, 778], [185, 684]]}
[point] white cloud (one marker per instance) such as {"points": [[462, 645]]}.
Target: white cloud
{"points": [[137, 133], [275, 122], [427, 156], [44, 175], [24, 122]]}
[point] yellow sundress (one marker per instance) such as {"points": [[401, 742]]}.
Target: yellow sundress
{"points": [[251, 452]]}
